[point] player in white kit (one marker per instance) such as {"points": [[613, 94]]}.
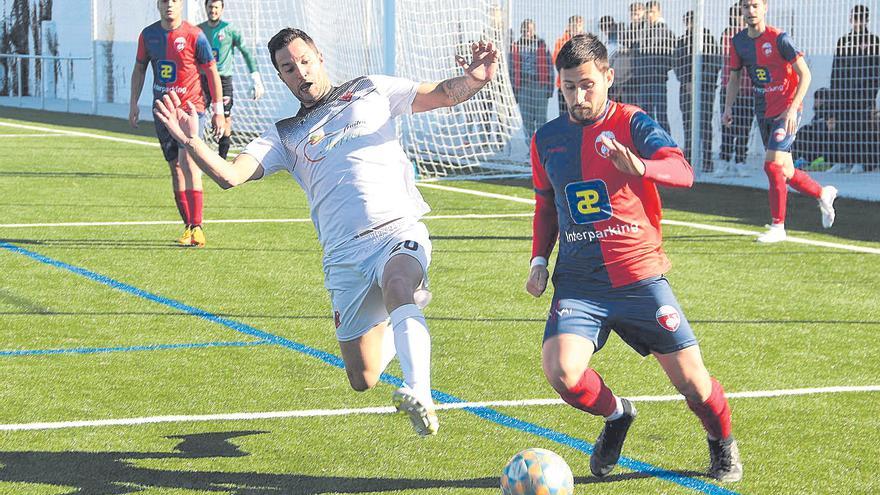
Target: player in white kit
{"points": [[343, 150]]}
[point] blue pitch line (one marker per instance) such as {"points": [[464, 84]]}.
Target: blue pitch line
{"points": [[482, 412], [154, 347]]}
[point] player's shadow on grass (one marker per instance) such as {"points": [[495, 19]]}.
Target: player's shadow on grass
{"points": [[81, 175], [117, 473]]}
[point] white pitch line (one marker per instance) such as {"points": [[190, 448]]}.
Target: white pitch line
{"points": [[80, 134], [700, 226], [389, 410], [29, 135], [466, 216]]}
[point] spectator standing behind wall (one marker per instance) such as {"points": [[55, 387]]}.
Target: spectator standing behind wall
{"points": [[611, 39], [819, 142], [855, 80], [710, 62], [574, 27], [653, 63], [735, 137], [630, 44], [532, 77]]}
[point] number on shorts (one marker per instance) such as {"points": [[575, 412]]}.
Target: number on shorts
{"points": [[411, 245]]}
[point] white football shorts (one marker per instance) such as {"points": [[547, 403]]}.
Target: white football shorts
{"points": [[353, 276]]}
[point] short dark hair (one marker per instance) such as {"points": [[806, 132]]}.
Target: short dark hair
{"points": [[209, 2], [635, 6], [652, 3], [860, 12], [285, 37], [581, 49]]}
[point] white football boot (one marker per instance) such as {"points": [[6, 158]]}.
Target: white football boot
{"points": [[423, 418], [775, 233], [826, 204]]}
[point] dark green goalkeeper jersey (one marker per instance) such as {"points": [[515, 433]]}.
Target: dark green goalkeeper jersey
{"points": [[223, 38]]}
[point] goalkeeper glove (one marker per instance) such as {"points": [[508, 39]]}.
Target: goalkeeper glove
{"points": [[257, 89]]}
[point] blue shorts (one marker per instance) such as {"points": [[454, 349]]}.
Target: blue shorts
{"points": [[645, 315], [773, 134]]}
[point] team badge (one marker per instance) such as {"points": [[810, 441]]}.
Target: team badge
{"points": [[221, 36], [337, 319], [346, 97], [779, 135], [767, 47], [588, 201], [601, 149], [668, 318], [316, 138], [180, 43]]}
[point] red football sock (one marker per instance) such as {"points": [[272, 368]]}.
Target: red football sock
{"points": [[804, 184], [714, 413], [195, 205], [180, 200], [591, 395], [778, 191]]}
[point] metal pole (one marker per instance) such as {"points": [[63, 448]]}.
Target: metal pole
{"points": [[42, 85], [69, 77], [20, 101], [696, 150], [94, 5], [390, 37]]}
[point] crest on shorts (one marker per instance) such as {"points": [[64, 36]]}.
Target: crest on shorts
{"points": [[779, 135], [179, 43], [337, 319], [668, 318], [601, 149]]}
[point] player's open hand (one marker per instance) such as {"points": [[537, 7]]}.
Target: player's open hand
{"points": [[791, 121], [483, 64], [727, 118], [217, 122], [134, 113], [537, 282], [622, 157], [182, 125]]}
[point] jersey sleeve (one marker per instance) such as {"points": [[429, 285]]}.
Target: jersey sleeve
{"points": [[244, 50], [545, 224], [787, 48], [141, 56], [734, 60], [400, 93], [204, 55], [269, 151], [664, 162]]}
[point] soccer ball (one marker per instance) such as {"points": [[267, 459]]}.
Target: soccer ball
{"points": [[537, 472]]}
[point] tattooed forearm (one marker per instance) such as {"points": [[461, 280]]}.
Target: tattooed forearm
{"points": [[459, 89]]}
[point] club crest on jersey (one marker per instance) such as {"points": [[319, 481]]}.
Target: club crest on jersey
{"points": [[347, 96], [179, 43], [601, 149], [221, 36], [767, 47], [668, 318]]}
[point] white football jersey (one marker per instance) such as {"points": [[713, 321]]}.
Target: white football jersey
{"points": [[346, 156]]}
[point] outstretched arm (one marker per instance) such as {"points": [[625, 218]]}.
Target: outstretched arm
{"points": [[183, 125], [477, 73]]}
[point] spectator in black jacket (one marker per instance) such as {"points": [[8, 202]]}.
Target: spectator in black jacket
{"points": [[710, 65], [818, 143], [653, 63], [631, 37], [531, 73], [855, 80]]}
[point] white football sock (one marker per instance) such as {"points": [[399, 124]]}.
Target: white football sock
{"points": [[413, 344], [388, 350], [618, 410]]}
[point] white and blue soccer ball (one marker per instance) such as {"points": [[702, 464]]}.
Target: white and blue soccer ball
{"points": [[537, 472]]}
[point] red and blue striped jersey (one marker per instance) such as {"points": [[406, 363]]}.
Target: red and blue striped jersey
{"points": [[607, 222], [176, 57], [768, 60]]}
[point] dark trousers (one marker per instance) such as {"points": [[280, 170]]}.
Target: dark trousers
{"points": [[735, 137]]}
